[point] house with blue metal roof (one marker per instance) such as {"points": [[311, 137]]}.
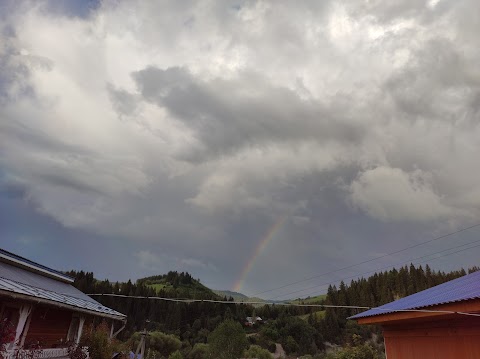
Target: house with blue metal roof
{"points": [[441, 322], [43, 307]]}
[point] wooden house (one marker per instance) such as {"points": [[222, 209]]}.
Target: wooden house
{"points": [[42, 307], [442, 322]]}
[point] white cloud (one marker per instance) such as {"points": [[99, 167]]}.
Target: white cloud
{"points": [[391, 194], [179, 124]]}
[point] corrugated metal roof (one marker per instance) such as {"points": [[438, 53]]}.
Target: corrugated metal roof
{"points": [[23, 275], [20, 281], [463, 288], [24, 262]]}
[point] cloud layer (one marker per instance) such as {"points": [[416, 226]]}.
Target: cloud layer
{"points": [[184, 130]]}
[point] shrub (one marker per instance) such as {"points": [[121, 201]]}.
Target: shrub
{"points": [[159, 343], [98, 343], [7, 335], [199, 351], [357, 351], [257, 352], [176, 355]]}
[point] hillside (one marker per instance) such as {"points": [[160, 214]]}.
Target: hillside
{"points": [[182, 284], [310, 300], [238, 297]]}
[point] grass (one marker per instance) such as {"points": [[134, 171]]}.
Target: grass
{"points": [[159, 286], [310, 300]]}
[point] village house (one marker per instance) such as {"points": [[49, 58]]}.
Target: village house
{"points": [[251, 321], [44, 308], [442, 322]]}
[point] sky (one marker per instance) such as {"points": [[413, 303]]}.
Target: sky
{"points": [[254, 144]]}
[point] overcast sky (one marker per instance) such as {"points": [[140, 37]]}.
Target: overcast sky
{"points": [[140, 137]]}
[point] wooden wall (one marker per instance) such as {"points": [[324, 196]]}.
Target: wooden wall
{"points": [[453, 339], [49, 326]]}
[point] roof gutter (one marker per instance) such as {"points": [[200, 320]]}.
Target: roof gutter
{"points": [[61, 305]]}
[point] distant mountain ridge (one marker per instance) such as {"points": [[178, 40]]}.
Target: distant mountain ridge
{"points": [[238, 297]]}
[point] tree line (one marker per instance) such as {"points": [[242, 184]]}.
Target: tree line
{"points": [[300, 330]]}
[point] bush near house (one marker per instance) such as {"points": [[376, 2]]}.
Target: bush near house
{"points": [[98, 343], [7, 335]]}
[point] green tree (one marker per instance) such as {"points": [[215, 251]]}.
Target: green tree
{"points": [[257, 352], [176, 355], [161, 343], [228, 340], [199, 351], [290, 345], [270, 331]]}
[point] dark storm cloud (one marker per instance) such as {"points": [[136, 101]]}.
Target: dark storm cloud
{"points": [[248, 111], [435, 83], [11, 190], [175, 135], [123, 102]]}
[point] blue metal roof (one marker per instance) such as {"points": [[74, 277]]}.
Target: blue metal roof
{"points": [[17, 280], [463, 288], [12, 257]]}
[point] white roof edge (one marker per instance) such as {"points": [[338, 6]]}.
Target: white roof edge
{"points": [[35, 268]]}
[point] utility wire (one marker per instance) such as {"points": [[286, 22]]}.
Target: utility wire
{"points": [[186, 300], [404, 263], [387, 267], [285, 304], [370, 260]]}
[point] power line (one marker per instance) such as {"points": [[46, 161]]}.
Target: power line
{"points": [[188, 301], [369, 260], [389, 266]]}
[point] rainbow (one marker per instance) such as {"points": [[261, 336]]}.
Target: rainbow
{"points": [[258, 250]]}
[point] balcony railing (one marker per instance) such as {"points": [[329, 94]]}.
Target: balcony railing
{"points": [[56, 353]]}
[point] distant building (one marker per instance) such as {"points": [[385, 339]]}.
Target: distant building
{"points": [[442, 322], [251, 321], [43, 307]]}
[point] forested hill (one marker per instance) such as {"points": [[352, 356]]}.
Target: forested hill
{"points": [[180, 284], [301, 330], [163, 315]]}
